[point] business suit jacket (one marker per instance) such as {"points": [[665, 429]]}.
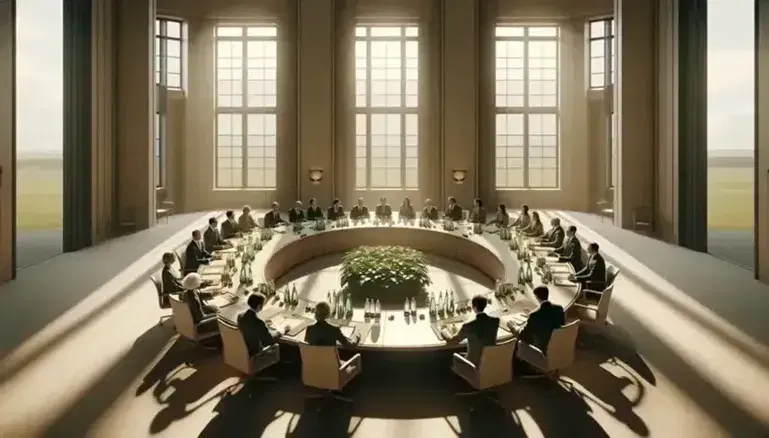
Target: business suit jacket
{"points": [[229, 228], [196, 306], [571, 251], [324, 334], [359, 212], [541, 323], [384, 211], [212, 240], [405, 212], [296, 215], [246, 223], [314, 213], [430, 213], [478, 215], [453, 212], [554, 237], [171, 281], [194, 256], [255, 332], [335, 213], [594, 270], [480, 332], [272, 219]]}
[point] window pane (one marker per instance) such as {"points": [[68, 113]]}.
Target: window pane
{"points": [[387, 76], [543, 150], [598, 29], [263, 31], [509, 31], [509, 150], [228, 31], [550, 31], [173, 29]]}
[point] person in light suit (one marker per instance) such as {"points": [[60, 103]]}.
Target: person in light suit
{"points": [[246, 222], [523, 220], [554, 236]]}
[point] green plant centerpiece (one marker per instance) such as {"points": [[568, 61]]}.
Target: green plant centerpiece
{"points": [[390, 274]]}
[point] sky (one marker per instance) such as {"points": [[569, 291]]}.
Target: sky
{"points": [[39, 64]]}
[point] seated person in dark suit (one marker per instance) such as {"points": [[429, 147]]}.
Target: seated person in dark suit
{"points": [[480, 332], [272, 218], [324, 334], [383, 210], [359, 211], [502, 219], [196, 254], [212, 239], [314, 212], [406, 211], [453, 211], [430, 212], [478, 215], [535, 228], [593, 275], [542, 321], [554, 236], [255, 331], [170, 278], [203, 315], [571, 250], [523, 220], [336, 211], [230, 227], [246, 222], [297, 214]]}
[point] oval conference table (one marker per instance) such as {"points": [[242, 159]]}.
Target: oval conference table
{"points": [[392, 329]]}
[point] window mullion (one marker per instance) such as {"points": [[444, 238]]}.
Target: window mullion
{"points": [[368, 115], [526, 78], [402, 111], [244, 111]]}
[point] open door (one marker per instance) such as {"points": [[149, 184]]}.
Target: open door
{"points": [[7, 139]]}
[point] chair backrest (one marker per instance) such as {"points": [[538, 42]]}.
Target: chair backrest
{"points": [[234, 349], [163, 302], [495, 368], [611, 274], [320, 366], [602, 309], [183, 320], [560, 349], [180, 258]]}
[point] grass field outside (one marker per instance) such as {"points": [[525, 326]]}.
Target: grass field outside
{"points": [[730, 198], [39, 193]]}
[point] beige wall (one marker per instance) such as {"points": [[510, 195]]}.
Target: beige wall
{"points": [[316, 116], [7, 137]]}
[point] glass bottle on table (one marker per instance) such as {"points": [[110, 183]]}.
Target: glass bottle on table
{"points": [[407, 306], [367, 307], [413, 305], [378, 308]]}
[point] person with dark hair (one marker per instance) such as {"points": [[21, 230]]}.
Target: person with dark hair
{"points": [[272, 218], [523, 220], [480, 332], [453, 210], [212, 239], [196, 254], [542, 321], [324, 334], [336, 211], [502, 219], [230, 227], [383, 210], [478, 215], [535, 228], [359, 211], [571, 250], [255, 331], [170, 279], [246, 222], [593, 275], [406, 211], [313, 211], [296, 214], [554, 236]]}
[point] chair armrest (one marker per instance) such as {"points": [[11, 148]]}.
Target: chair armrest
{"points": [[353, 362], [462, 361], [268, 356]]}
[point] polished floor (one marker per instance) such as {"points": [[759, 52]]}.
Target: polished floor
{"points": [[82, 355]]}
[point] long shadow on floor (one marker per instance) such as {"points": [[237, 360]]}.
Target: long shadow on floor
{"points": [[45, 292], [403, 388]]}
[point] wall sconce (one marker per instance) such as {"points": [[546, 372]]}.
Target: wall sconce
{"points": [[459, 175], [315, 175]]}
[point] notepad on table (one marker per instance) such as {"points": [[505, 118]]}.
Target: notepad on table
{"points": [[212, 270]]}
